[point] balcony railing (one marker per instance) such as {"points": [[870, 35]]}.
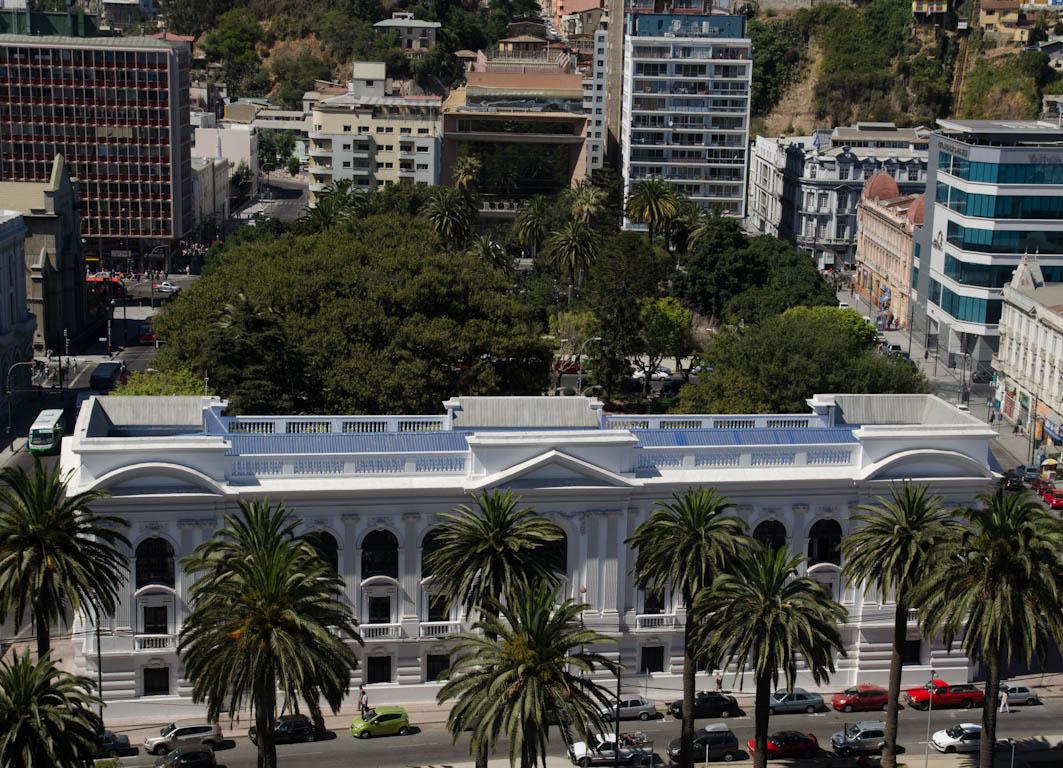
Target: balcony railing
{"points": [[381, 631], [154, 642], [304, 425], [439, 628], [655, 621]]}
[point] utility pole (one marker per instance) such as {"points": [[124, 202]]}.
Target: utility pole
{"points": [[99, 668]]}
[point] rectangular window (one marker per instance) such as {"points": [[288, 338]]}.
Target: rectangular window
{"points": [[346, 129], [156, 620], [438, 608], [377, 669], [435, 665], [379, 609], [912, 652], [652, 659]]}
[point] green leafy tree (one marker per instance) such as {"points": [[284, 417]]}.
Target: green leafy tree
{"points": [[573, 249], [233, 43], [295, 75], [780, 46], [492, 252], [267, 614], [448, 213], [651, 202], [572, 331], [293, 166], [998, 586], [510, 673], [46, 716], [665, 331], [684, 545], [585, 200], [162, 383], [57, 557], [827, 349], [765, 614], [896, 543]]}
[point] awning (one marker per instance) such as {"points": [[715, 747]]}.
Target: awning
{"points": [[1052, 429]]}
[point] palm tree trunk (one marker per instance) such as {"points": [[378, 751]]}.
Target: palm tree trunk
{"points": [[989, 710], [44, 635], [900, 634], [265, 719], [686, 746], [760, 720]]}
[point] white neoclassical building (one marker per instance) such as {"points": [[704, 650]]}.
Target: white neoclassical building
{"points": [[376, 485]]}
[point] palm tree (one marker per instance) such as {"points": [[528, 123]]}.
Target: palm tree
{"points": [[684, 544], [573, 249], [57, 557], [448, 213], [46, 716], [492, 252], [765, 613], [681, 226], [653, 202], [896, 543], [999, 586], [465, 172], [530, 225], [509, 673], [585, 201], [267, 615]]}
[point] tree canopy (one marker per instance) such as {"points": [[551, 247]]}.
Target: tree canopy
{"points": [[172, 382], [374, 316]]}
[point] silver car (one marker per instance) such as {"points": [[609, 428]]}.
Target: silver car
{"points": [[632, 708], [862, 737], [1021, 694], [797, 700], [176, 735]]}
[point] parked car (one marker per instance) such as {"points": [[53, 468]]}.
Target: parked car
{"points": [[192, 733], [1053, 495], [660, 373], [708, 705], [981, 376], [1037, 484], [942, 695], [862, 737], [713, 742], [632, 708], [108, 375], [797, 700], [189, 756], [1022, 694], [601, 750], [860, 698], [965, 737], [110, 744], [290, 729], [1028, 473], [789, 744], [565, 366], [894, 349], [146, 334], [1011, 481], [381, 721]]}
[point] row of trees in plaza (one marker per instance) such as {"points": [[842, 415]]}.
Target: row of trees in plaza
{"points": [[267, 614]]}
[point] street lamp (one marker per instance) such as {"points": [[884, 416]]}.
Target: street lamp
{"points": [[110, 324], [579, 375], [929, 710]]}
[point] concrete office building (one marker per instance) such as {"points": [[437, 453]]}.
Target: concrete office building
{"points": [[54, 261], [995, 193], [374, 487], [236, 142], [117, 110], [806, 188], [594, 99], [16, 322], [685, 111], [210, 197], [372, 138]]}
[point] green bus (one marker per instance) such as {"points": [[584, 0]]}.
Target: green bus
{"points": [[46, 434]]}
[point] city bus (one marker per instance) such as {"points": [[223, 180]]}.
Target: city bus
{"points": [[46, 434]]}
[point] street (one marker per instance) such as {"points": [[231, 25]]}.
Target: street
{"points": [[431, 744], [284, 198]]}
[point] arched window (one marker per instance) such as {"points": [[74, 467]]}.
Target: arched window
{"points": [[772, 533], [327, 547], [154, 563], [825, 543], [555, 555], [380, 555], [429, 544]]}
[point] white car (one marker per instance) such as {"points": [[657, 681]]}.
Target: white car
{"points": [[600, 751], [167, 287], [1021, 694], [660, 373], [965, 737]]}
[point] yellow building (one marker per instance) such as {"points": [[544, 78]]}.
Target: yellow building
{"points": [[929, 7], [1004, 19], [372, 138]]}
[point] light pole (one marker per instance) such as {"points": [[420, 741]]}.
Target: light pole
{"points": [[110, 324], [929, 709], [579, 357]]}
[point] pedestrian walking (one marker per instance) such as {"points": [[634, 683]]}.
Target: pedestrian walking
{"points": [[1004, 701], [363, 701], [719, 681]]}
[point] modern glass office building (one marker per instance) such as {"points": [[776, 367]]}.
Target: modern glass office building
{"points": [[996, 188]]}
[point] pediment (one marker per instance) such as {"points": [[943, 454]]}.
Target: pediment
{"points": [[153, 478], [554, 469]]}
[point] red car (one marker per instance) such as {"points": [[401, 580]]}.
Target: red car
{"points": [[942, 695], [1053, 496], [860, 698], [565, 366], [789, 744]]}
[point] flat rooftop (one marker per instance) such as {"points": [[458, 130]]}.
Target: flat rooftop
{"points": [[1003, 127]]}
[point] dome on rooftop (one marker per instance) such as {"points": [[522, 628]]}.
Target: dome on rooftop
{"points": [[917, 210], [881, 186]]}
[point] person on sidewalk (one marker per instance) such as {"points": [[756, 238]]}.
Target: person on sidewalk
{"points": [[1004, 701], [363, 701], [719, 681]]}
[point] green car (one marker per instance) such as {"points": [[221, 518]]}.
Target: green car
{"points": [[382, 721]]}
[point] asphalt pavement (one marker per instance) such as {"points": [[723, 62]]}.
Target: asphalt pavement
{"points": [[1034, 729]]}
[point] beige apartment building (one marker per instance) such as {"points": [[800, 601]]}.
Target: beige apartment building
{"points": [[886, 220], [372, 138]]}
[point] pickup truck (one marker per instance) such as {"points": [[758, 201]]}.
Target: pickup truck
{"points": [[942, 695], [598, 750]]}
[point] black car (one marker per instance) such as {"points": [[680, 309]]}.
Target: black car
{"points": [[981, 376], [109, 744], [291, 729], [708, 705], [1011, 481]]}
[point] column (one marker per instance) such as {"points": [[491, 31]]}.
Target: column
{"points": [[409, 566], [351, 557]]}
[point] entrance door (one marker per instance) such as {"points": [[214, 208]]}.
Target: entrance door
{"points": [[378, 669], [156, 681], [652, 658]]}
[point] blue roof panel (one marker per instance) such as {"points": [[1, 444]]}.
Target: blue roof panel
{"points": [[671, 438], [409, 442]]}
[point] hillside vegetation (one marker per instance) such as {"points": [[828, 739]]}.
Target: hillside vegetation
{"points": [[1008, 86]]}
